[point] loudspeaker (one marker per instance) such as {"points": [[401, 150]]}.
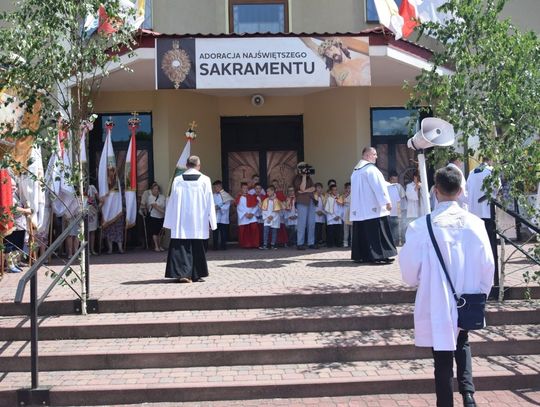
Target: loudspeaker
{"points": [[433, 133], [257, 100]]}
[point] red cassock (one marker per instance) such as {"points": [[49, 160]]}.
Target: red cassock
{"points": [[248, 235]]}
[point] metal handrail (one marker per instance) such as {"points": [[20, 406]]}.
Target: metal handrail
{"points": [[517, 216], [31, 276], [39, 262]]}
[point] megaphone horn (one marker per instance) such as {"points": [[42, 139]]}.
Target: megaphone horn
{"points": [[433, 133]]}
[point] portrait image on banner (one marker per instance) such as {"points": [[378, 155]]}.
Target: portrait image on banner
{"points": [[259, 63]]}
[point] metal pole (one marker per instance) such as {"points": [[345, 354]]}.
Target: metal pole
{"points": [[87, 257], [34, 331], [493, 241], [424, 194]]}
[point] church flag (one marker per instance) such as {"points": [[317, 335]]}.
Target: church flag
{"points": [[130, 174], [181, 164], [388, 13], [6, 202], [109, 184], [407, 10]]}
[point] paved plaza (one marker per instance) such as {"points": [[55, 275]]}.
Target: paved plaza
{"points": [[235, 272]]}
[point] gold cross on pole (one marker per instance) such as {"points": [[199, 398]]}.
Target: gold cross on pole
{"points": [[193, 125]]}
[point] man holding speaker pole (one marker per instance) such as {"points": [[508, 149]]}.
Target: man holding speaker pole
{"points": [[466, 253], [372, 240]]}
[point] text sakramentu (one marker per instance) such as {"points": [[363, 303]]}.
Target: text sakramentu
{"points": [[257, 68]]}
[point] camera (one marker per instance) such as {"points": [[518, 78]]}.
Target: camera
{"points": [[306, 169]]}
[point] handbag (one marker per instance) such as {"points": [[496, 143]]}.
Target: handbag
{"points": [[471, 307]]}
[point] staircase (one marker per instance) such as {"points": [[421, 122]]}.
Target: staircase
{"points": [[252, 347]]}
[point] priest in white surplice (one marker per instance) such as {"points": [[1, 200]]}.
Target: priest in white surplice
{"points": [[370, 207], [190, 214], [465, 249]]}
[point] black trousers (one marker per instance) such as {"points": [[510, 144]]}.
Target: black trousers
{"points": [[319, 227], [444, 371], [334, 236], [220, 236]]}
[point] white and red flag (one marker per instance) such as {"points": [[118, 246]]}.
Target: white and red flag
{"points": [[108, 181], [130, 174], [404, 20]]}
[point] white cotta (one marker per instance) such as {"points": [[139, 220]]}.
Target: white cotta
{"points": [[222, 201], [190, 209], [394, 193], [475, 191], [242, 210], [465, 248], [369, 194], [333, 209], [276, 215]]}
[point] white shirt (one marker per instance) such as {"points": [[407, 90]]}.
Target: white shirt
{"points": [[276, 218], [475, 191], [190, 210], [333, 210], [242, 210], [465, 248], [288, 213], [222, 209], [369, 195], [160, 201], [395, 198]]}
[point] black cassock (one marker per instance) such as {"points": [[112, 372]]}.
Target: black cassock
{"points": [[372, 240], [187, 259]]}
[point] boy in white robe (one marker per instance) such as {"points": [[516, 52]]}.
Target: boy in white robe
{"points": [[334, 218], [465, 249], [247, 208], [396, 193], [347, 224], [320, 216], [271, 210], [222, 200]]}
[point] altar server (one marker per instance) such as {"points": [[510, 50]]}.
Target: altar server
{"points": [[222, 201], [334, 210], [189, 215], [247, 207], [271, 215]]}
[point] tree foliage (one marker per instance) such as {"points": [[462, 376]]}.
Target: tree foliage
{"points": [[493, 93]]}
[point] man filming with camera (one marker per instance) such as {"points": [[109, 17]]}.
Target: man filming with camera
{"points": [[305, 206]]}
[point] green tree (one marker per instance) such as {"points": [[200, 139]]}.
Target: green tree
{"points": [[494, 92], [49, 58]]}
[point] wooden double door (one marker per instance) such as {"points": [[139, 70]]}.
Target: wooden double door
{"points": [[269, 146]]}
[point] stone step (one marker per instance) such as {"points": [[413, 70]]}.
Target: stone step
{"points": [[125, 386], [253, 349], [312, 299], [245, 321], [494, 398]]}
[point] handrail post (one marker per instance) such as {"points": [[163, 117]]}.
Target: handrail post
{"points": [[34, 331], [87, 257], [493, 241]]}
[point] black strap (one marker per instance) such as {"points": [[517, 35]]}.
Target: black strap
{"points": [[439, 255]]}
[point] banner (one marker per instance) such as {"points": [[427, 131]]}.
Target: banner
{"points": [[258, 63]]}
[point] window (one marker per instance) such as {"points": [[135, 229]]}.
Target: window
{"points": [[258, 16], [371, 11], [390, 122]]}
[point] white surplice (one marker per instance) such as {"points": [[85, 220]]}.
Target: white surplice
{"points": [[320, 207], [413, 200], [462, 198], [475, 191], [190, 209], [242, 210], [369, 195], [333, 210], [222, 208], [276, 216], [466, 251], [394, 191]]}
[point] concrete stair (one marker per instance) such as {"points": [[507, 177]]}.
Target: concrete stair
{"points": [[329, 344]]}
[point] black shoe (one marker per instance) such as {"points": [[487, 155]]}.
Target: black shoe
{"points": [[301, 247], [313, 246], [468, 399]]}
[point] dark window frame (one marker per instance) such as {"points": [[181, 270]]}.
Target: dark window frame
{"points": [[233, 3]]}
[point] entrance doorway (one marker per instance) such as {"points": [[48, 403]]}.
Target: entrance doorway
{"points": [[269, 146]]}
